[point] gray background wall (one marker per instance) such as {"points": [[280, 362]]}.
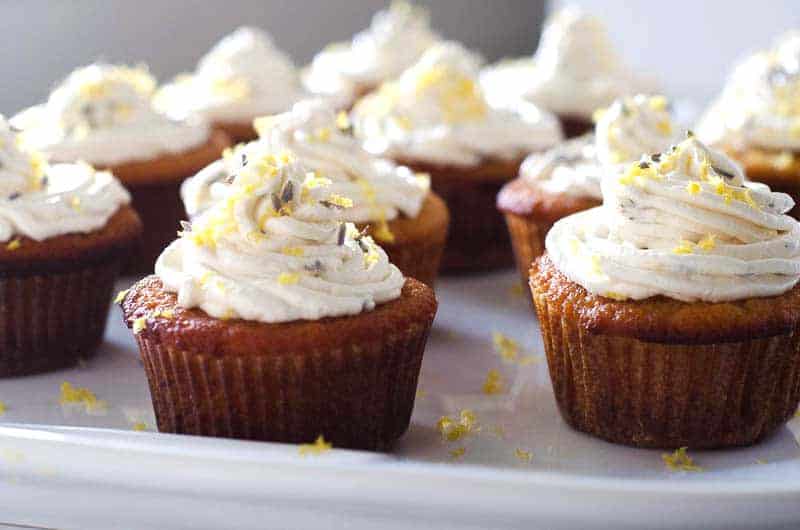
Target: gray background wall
{"points": [[43, 40]]}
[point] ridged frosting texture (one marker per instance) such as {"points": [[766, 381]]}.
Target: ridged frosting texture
{"points": [[243, 76], [276, 249], [683, 224], [760, 104], [379, 189], [103, 114], [436, 112], [40, 201], [574, 71], [394, 41], [629, 128]]}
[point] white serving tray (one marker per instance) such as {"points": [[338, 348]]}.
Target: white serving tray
{"points": [[63, 468]]}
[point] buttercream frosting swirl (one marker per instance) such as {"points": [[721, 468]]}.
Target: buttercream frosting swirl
{"points": [[243, 76], [395, 40], [574, 71], [103, 114], [436, 111], [629, 128], [39, 200], [379, 189], [760, 104], [683, 224], [276, 250]]}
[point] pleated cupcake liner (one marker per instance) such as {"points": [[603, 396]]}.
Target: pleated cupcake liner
{"points": [[51, 320], [478, 239], [527, 241], [420, 261], [794, 193], [646, 394], [160, 208], [360, 397]]}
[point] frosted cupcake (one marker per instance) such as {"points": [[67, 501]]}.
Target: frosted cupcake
{"points": [[435, 119], [566, 179], [103, 115], [271, 319], [242, 77], [756, 119], [396, 39], [575, 71], [671, 313], [390, 203], [65, 230]]}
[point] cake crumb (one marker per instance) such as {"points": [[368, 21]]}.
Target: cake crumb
{"points": [[680, 461], [524, 456], [139, 325], [319, 447], [493, 384], [72, 395]]}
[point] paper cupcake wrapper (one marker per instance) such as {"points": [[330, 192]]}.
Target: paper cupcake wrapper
{"points": [[359, 398], [420, 261], [478, 239], [574, 126], [51, 320], [648, 394], [527, 241], [160, 208]]}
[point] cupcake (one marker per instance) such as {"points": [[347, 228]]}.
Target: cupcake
{"points": [[242, 77], [671, 313], [566, 179], [65, 230], [434, 119], [395, 40], [271, 319], [575, 71], [756, 119], [103, 115], [389, 202]]}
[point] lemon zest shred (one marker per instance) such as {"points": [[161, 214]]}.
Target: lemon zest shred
{"points": [[121, 296], [505, 347], [288, 278], [139, 325], [493, 384], [524, 456], [679, 460], [320, 446], [80, 396]]}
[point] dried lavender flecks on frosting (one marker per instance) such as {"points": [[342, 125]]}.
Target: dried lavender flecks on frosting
{"points": [[760, 104], [628, 129], [396, 38], [379, 189], [436, 112], [276, 249], [242, 76], [39, 200], [103, 114], [574, 72], [683, 224]]}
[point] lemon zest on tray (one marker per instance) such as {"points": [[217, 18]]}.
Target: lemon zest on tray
{"points": [[679, 460], [121, 296], [457, 453], [139, 426], [517, 290], [421, 394], [524, 456], [3, 408], [506, 347], [453, 430], [494, 383], [319, 447], [72, 395]]}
